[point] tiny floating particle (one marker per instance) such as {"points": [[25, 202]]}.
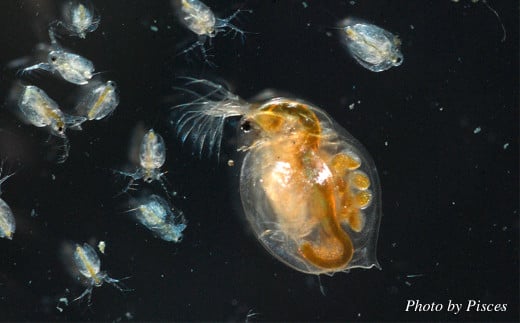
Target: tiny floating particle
{"points": [[371, 46], [477, 130], [101, 246], [231, 163]]}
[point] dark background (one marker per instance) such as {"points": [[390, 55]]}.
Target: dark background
{"points": [[450, 195]]}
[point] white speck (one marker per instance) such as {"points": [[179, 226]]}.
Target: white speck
{"points": [[53, 177], [408, 283], [358, 101], [33, 213], [394, 244], [154, 28], [305, 5], [101, 246], [477, 130], [505, 145], [351, 106], [386, 143], [328, 34], [352, 3], [63, 300], [504, 228], [452, 202], [441, 108], [358, 314], [412, 27]]}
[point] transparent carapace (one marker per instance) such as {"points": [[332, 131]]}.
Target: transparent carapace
{"points": [[78, 18], [158, 216], [71, 67], [309, 190], [84, 265], [7, 221], [371, 46]]}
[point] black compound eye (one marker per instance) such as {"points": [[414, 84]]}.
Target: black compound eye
{"points": [[54, 58], [246, 126]]}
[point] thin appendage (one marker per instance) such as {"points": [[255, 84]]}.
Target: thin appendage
{"points": [[132, 185], [53, 33], [200, 43], [65, 151], [86, 292], [40, 66], [117, 283], [224, 23], [3, 179], [499, 19], [232, 16], [74, 122], [197, 126], [235, 30], [202, 120], [163, 181], [217, 91]]}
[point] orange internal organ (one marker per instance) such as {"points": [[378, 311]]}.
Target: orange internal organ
{"points": [[294, 133]]}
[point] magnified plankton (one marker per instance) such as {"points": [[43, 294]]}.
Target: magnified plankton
{"points": [[71, 67], [371, 46], [79, 18], [152, 155], [7, 222], [156, 214], [309, 190], [40, 110], [98, 101], [87, 266], [198, 17]]}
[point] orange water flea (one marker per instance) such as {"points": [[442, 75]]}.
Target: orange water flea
{"points": [[309, 190]]}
